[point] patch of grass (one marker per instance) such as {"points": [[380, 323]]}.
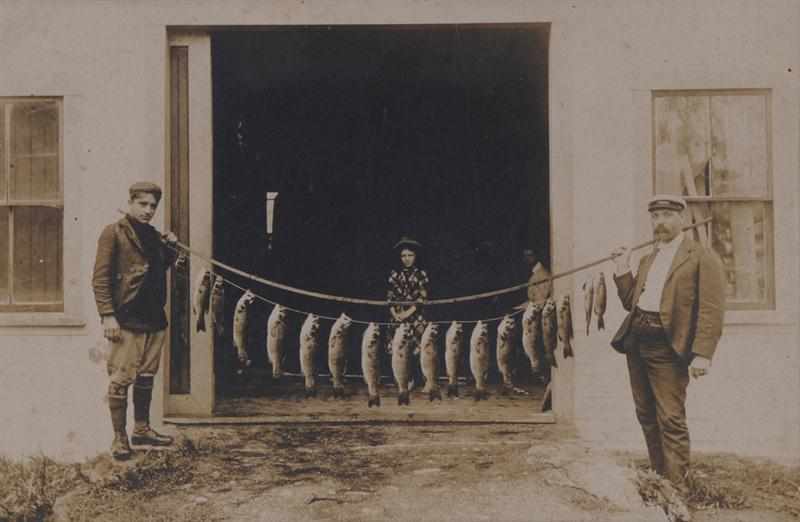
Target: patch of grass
{"points": [[727, 481], [29, 488]]}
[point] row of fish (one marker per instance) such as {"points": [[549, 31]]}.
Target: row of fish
{"points": [[594, 299], [551, 323]]}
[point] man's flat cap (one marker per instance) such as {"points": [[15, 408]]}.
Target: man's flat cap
{"points": [[146, 187], [666, 202]]}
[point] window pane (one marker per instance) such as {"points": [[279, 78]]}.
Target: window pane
{"points": [[682, 137], [739, 146], [740, 234], [37, 254], [3, 152], [3, 255], [34, 150]]}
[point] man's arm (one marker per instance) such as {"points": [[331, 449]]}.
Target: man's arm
{"points": [[102, 277], [102, 281], [711, 305], [623, 277]]}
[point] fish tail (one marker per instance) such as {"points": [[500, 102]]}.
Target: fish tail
{"points": [[374, 400], [201, 323], [403, 399], [434, 394], [568, 351], [601, 323], [452, 390]]}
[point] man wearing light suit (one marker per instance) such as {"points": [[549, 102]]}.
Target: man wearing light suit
{"points": [[676, 306]]}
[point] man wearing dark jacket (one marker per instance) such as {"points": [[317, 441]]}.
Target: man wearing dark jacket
{"points": [[676, 306], [130, 290]]}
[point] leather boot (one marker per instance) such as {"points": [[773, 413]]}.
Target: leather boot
{"points": [[143, 434], [120, 448]]}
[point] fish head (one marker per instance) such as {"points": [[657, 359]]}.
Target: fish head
{"points": [[430, 333], [345, 321], [480, 331], [312, 324], [372, 332]]}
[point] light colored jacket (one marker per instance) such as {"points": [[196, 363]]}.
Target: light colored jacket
{"points": [[692, 301]]}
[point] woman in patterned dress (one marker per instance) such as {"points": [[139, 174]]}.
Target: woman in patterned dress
{"points": [[408, 283]]}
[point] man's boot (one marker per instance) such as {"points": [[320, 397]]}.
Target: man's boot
{"points": [[118, 406], [143, 434]]}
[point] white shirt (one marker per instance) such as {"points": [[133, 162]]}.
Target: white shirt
{"points": [[650, 300]]}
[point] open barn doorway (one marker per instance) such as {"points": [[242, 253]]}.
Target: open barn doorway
{"points": [[358, 135]]}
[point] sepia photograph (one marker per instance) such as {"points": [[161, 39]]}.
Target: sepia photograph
{"points": [[402, 260]]}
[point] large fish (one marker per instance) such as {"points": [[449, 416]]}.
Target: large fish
{"points": [[200, 303], [217, 310], [479, 358], [550, 331], [454, 340], [276, 339], [401, 353], [531, 331], [505, 351], [600, 300], [565, 331], [240, 326], [337, 351], [429, 359], [588, 301], [309, 345], [370, 363]]}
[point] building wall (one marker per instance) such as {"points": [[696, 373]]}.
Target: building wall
{"points": [[108, 61]]}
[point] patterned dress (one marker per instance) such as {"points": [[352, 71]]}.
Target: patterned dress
{"points": [[407, 284]]}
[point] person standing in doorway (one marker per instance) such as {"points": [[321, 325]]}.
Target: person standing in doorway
{"points": [[676, 306], [408, 283], [130, 290]]}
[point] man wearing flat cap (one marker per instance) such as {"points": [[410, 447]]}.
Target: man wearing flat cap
{"points": [[676, 305], [130, 290]]}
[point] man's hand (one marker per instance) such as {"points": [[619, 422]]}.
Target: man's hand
{"points": [[622, 258], [111, 328], [700, 366], [180, 263], [170, 238]]}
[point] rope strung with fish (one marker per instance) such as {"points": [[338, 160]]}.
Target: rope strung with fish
{"points": [[429, 302]]}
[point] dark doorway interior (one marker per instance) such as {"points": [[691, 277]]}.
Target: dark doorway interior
{"points": [[368, 133]]}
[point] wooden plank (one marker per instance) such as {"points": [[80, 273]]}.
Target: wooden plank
{"points": [[5, 252], [32, 307], [180, 306], [408, 418]]}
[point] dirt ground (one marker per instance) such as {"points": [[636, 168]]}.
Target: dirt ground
{"points": [[386, 472]]}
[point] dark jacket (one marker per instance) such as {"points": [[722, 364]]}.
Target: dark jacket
{"points": [[121, 266], [692, 302]]}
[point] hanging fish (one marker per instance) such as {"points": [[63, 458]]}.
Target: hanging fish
{"points": [[217, 311], [588, 301], [531, 332], [202, 292], [550, 332], [370, 363], [565, 331], [337, 350], [479, 358], [401, 353], [429, 359], [276, 339], [240, 326], [309, 345], [454, 340], [505, 352], [600, 300]]}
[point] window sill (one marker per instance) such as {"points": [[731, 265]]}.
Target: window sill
{"points": [[41, 319], [759, 317]]}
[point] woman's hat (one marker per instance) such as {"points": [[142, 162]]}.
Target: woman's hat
{"points": [[406, 241]]}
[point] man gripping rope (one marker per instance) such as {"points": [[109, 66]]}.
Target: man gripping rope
{"points": [[676, 305], [130, 291]]}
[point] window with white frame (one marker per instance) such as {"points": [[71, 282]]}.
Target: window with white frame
{"points": [[714, 149], [31, 206]]}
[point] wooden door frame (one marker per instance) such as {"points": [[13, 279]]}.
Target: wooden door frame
{"points": [[199, 401]]}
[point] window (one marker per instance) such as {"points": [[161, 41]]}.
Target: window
{"points": [[31, 206], [713, 147]]}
